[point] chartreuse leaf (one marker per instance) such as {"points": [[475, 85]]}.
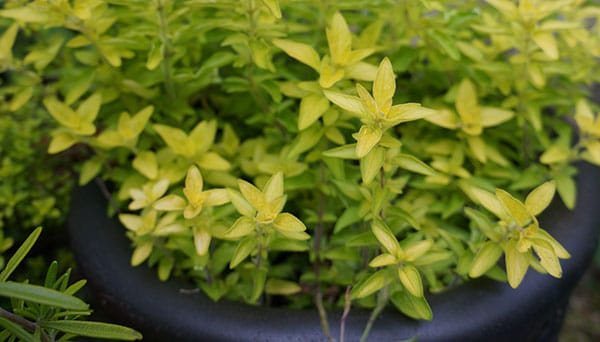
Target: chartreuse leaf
{"points": [[366, 139], [6, 42], [485, 259], [41, 295], [281, 287], [240, 228], [339, 39], [385, 236], [94, 329], [90, 169], [414, 307], [540, 197], [350, 103], [514, 207], [411, 280], [20, 254], [244, 248], [302, 52], [412, 163], [565, 185], [371, 164], [490, 202], [560, 251], [372, 284], [141, 253], [312, 108], [548, 258], [517, 264], [345, 152], [384, 86], [288, 222], [273, 6]]}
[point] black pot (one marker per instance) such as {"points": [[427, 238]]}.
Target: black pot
{"points": [[481, 310]]}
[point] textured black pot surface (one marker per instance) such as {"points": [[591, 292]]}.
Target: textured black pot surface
{"points": [[481, 310]]}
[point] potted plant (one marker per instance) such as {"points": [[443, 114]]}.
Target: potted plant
{"points": [[344, 155]]}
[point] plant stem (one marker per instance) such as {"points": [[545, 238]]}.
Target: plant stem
{"points": [[26, 324], [347, 304], [166, 50], [382, 300], [317, 264]]}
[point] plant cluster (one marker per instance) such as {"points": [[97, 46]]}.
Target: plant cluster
{"points": [[50, 312], [282, 151]]}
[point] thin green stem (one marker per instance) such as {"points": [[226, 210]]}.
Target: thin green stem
{"points": [[347, 304], [166, 49], [382, 301], [317, 241]]}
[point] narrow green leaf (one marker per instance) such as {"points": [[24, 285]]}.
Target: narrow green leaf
{"points": [[41, 295], [94, 329], [16, 330], [412, 163], [20, 254], [244, 248]]}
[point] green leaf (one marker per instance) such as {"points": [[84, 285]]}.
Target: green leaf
{"points": [[350, 216], [20, 254], [414, 307], [372, 284], [412, 163], [344, 152], [517, 264], [244, 248], [366, 139], [302, 52], [282, 287], [240, 228], [41, 295], [371, 164], [312, 108], [90, 169], [288, 222], [385, 236], [350, 103], [566, 189], [540, 198], [485, 259], [446, 43], [273, 6], [411, 280], [94, 329], [16, 330]]}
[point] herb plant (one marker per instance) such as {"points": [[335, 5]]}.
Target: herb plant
{"points": [[50, 312], [284, 151]]}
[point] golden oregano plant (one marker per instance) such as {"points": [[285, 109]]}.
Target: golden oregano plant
{"points": [[279, 150]]}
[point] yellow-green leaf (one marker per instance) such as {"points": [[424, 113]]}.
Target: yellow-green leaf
{"points": [[412, 163], [146, 164], [547, 42], [384, 85], [371, 164], [489, 201], [384, 259], [201, 240], [288, 222], [372, 284], [491, 116], [514, 207], [60, 142], [240, 228], [548, 258], [339, 39], [302, 52], [273, 188], [540, 197], [411, 280], [240, 203], [366, 139], [244, 248], [385, 237], [141, 253], [350, 103], [282, 287], [312, 108], [517, 264], [485, 259], [170, 203]]}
